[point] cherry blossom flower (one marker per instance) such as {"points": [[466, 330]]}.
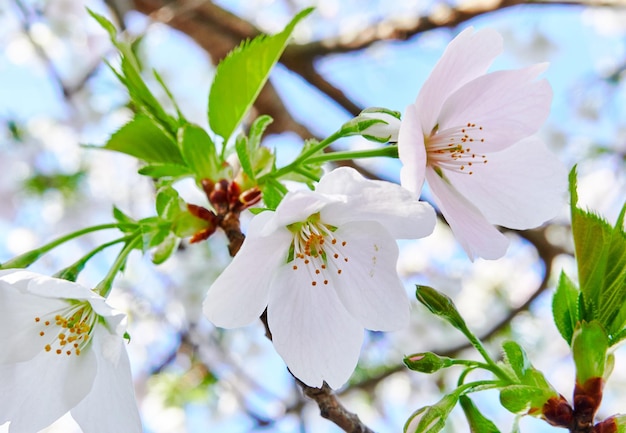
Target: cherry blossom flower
{"points": [[63, 350], [324, 265], [469, 134]]}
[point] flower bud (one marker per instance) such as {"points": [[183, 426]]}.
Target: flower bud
{"points": [[441, 305], [427, 362], [375, 124]]}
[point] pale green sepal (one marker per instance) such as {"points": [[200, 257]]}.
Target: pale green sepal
{"points": [[432, 419], [477, 421], [165, 249]]}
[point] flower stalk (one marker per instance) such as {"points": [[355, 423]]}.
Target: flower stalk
{"points": [[30, 257]]}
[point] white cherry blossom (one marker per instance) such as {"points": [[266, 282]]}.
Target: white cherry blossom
{"points": [[62, 351], [324, 266], [469, 134]]}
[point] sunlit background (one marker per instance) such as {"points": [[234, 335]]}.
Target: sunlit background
{"points": [[57, 96]]}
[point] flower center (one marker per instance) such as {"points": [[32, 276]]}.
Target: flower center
{"points": [[451, 148], [318, 251], [67, 330]]}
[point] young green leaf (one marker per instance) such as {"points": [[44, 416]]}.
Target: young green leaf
{"points": [[601, 258], [516, 358], [590, 344], [255, 160], [613, 299], [241, 75], [477, 421], [522, 398], [144, 140], [243, 153], [141, 96], [104, 23], [198, 151], [565, 307]]}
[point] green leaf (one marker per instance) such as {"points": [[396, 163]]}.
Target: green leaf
{"points": [[520, 398], [130, 76], [141, 96], [169, 94], [613, 300], [144, 140], [257, 129], [104, 23], [198, 151], [255, 160], [516, 357], [158, 171], [565, 307], [590, 344], [601, 258], [243, 153], [477, 421], [241, 75]]}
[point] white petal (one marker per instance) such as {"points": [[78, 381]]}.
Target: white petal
{"points": [[467, 56], [296, 206], [18, 278], [45, 286], [38, 392], [412, 151], [111, 405], [311, 330], [369, 286], [475, 234], [19, 332], [240, 293], [508, 105], [520, 187], [396, 208]]}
